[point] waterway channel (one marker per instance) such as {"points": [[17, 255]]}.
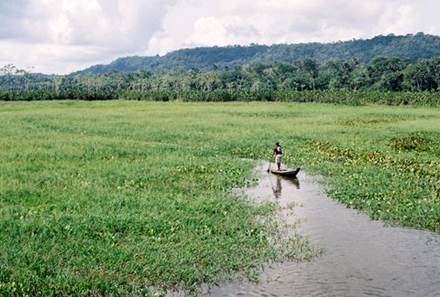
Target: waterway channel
{"points": [[361, 257]]}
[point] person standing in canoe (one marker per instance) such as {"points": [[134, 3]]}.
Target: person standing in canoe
{"points": [[278, 154]]}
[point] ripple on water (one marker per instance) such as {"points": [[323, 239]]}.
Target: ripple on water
{"points": [[361, 257]]}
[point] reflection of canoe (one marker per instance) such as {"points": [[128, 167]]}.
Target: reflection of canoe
{"points": [[286, 173]]}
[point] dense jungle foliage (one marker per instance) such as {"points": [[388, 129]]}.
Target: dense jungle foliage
{"points": [[386, 80], [411, 47]]}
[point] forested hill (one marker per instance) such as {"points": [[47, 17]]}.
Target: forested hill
{"points": [[411, 47]]}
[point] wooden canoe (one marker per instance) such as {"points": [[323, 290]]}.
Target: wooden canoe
{"points": [[286, 173]]}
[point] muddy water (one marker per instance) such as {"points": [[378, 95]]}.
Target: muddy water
{"points": [[360, 257]]}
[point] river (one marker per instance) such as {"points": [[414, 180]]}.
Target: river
{"points": [[361, 257]]}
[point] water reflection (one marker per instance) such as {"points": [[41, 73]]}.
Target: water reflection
{"points": [[277, 187], [361, 257], [296, 183]]}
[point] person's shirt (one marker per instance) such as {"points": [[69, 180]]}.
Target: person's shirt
{"points": [[277, 150]]}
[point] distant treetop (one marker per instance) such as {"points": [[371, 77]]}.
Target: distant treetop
{"points": [[411, 47]]}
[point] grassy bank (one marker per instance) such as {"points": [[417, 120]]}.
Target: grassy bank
{"points": [[113, 197]]}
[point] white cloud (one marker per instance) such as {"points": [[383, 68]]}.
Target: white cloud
{"points": [[50, 58], [290, 21], [66, 35]]}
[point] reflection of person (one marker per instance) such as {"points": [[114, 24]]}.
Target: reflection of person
{"points": [[278, 188], [278, 153]]}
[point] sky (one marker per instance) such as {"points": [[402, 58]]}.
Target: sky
{"points": [[62, 36]]}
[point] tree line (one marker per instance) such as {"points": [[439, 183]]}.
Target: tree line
{"points": [[412, 46], [389, 80]]}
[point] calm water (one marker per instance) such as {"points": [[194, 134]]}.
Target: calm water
{"points": [[361, 257]]}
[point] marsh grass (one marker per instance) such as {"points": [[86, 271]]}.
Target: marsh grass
{"points": [[113, 198], [415, 142]]}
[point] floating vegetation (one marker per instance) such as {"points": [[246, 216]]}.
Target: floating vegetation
{"points": [[414, 142], [90, 205], [370, 120]]}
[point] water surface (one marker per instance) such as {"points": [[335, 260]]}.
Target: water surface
{"points": [[360, 257]]}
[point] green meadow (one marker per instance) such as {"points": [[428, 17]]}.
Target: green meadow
{"points": [[118, 197]]}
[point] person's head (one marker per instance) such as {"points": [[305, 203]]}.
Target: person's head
{"points": [[277, 144]]}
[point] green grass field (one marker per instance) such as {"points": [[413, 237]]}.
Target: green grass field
{"points": [[101, 198]]}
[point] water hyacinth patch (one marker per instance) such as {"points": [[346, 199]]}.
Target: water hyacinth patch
{"points": [[113, 198]]}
